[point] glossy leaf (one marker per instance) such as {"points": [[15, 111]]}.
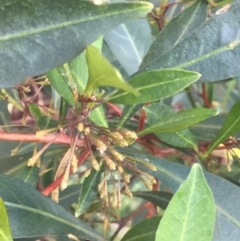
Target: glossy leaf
{"points": [[39, 25], [156, 85], [230, 126], [177, 30], [5, 232], [179, 121], [227, 226], [191, 213], [69, 195], [183, 138], [143, 231], [215, 43], [27, 206], [159, 198], [88, 192], [102, 73], [129, 43]]}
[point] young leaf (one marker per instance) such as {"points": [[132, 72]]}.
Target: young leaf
{"points": [[178, 121], [191, 213], [5, 232], [88, 192], [159, 198], [143, 231], [156, 85], [60, 31], [230, 127], [217, 41], [173, 175], [51, 218], [102, 73], [177, 30], [182, 138]]}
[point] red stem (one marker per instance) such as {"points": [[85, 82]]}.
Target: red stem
{"points": [[46, 191], [205, 96]]}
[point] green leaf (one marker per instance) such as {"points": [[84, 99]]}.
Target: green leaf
{"points": [[69, 196], [102, 73], [39, 25], [5, 232], [191, 213], [27, 206], [98, 116], [230, 126], [183, 138], [129, 43], [177, 30], [159, 198], [45, 122], [213, 49], [156, 85], [178, 121], [29, 175], [60, 85], [227, 226], [88, 192], [34, 110], [143, 231]]}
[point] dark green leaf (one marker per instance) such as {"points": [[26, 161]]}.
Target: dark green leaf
{"points": [[159, 198], [212, 50], [27, 206], [183, 138], [69, 195], [156, 85], [63, 111], [29, 175], [5, 232], [88, 192], [230, 126], [102, 73], [45, 122], [191, 213], [57, 80], [39, 35], [228, 213], [178, 121], [34, 110], [143, 231], [176, 30]]}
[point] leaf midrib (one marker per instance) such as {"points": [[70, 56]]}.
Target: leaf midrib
{"points": [[66, 24]]}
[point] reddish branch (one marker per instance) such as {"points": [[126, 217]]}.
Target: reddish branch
{"points": [[54, 138], [57, 182], [205, 96]]}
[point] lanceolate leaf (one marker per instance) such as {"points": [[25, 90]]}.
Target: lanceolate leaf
{"points": [[176, 30], [180, 120], [215, 43], [183, 138], [27, 206], [159, 198], [191, 206], [39, 35], [228, 212], [156, 85], [230, 126], [143, 231], [102, 73], [129, 43], [89, 190], [5, 232]]}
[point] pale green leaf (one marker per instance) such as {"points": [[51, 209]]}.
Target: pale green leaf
{"points": [[156, 85], [191, 213], [5, 232], [102, 73]]}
